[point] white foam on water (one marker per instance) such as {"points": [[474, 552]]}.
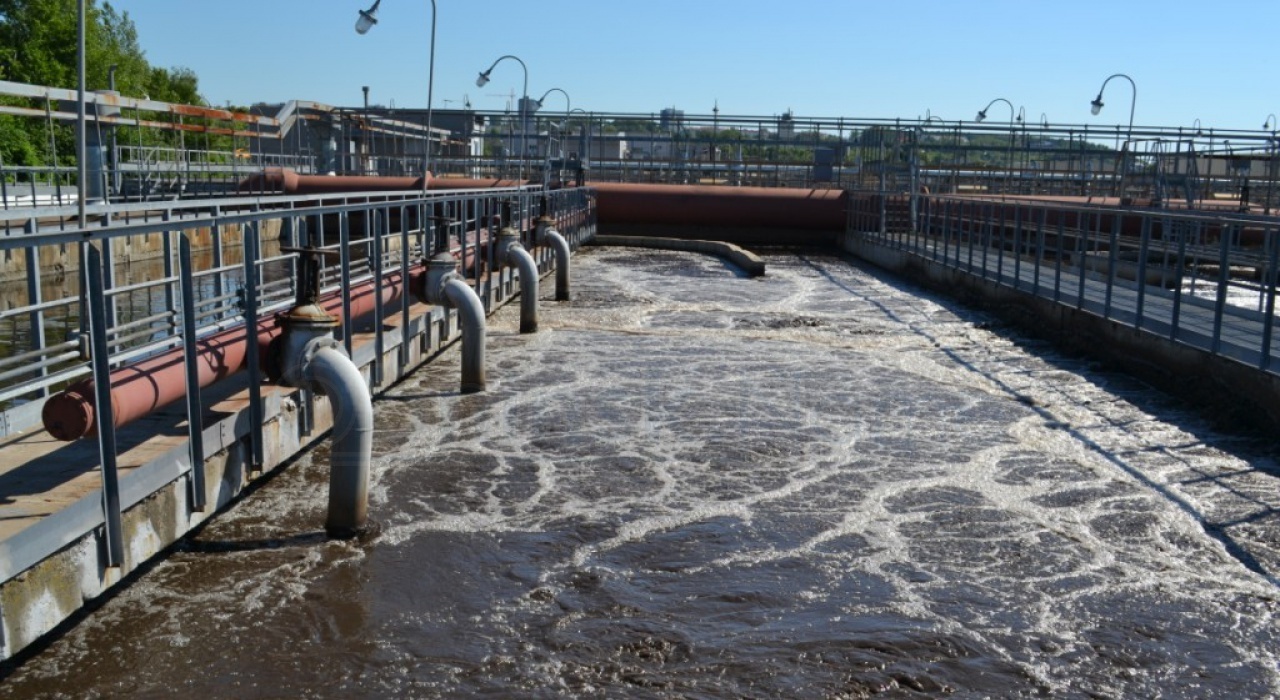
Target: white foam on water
{"points": [[683, 469]]}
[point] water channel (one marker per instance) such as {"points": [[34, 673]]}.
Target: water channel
{"points": [[689, 483]]}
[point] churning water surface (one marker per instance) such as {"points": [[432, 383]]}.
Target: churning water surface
{"points": [[819, 483]]}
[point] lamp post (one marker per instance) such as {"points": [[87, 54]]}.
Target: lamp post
{"points": [[364, 23], [524, 98], [982, 114], [1096, 107], [1270, 123], [567, 109], [584, 141], [80, 119]]}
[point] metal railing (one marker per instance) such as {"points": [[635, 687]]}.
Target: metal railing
{"points": [[158, 150], [213, 272], [1204, 280], [45, 329]]}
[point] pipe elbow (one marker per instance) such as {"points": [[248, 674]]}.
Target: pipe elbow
{"points": [[471, 320], [331, 372], [560, 246], [514, 255]]}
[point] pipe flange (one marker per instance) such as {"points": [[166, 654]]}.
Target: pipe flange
{"points": [[508, 240], [440, 271], [315, 345], [309, 352], [545, 223]]}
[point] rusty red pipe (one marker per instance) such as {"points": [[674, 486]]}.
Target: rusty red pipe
{"points": [[619, 202], [720, 206], [138, 389], [287, 181]]}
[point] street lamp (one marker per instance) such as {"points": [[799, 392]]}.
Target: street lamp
{"points": [[81, 148], [1096, 105], [585, 140], [567, 105], [982, 114], [1270, 123], [524, 98], [364, 23]]}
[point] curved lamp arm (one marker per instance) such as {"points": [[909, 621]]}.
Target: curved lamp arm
{"points": [[524, 97], [364, 23], [567, 104], [1096, 105], [982, 114]]}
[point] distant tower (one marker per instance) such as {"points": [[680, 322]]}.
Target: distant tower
{"points": [[786, 126], [671, 119]]}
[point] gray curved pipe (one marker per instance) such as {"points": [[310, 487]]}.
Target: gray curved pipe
{"points": [[514, 255], [462, 297], [561, 248], [331, 372]]}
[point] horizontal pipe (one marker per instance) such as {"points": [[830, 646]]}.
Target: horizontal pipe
{"points": [[288, 181], [139, 389], [720, 206], [621, 202]]}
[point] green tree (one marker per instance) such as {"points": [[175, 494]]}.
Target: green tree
{"points": [[38, 46]]}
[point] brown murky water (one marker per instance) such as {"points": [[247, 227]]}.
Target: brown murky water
{"points": [[820, 483]]}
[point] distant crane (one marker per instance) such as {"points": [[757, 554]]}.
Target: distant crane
{"points": [[466, 101], [511, 97]]}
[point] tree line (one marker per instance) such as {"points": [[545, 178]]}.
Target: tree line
{"points": [[39, 46]]}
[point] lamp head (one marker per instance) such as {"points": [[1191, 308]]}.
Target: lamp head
{"points": [[1096, 105], [483, 79], [367, 18], [981, 115]]}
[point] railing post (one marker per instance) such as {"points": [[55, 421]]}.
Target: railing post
{"points": [[344, 248], [381, 219], [1113, 261], [406, 295], [1269, 290], [1059, 253], [1220, 303], [35, 295], [249, 239], [103, 412], [190, 356], [1143, 250], [1183, 231], [1040, 222]]}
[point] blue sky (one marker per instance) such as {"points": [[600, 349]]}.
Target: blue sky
{"points": [[1216, 62]]}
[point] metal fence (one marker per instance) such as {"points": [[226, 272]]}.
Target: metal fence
{"points": [[142, 149], [237, 257], [1203, 280], [175, 288]]}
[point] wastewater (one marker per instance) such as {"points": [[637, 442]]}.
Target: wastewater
{"points": [[820, 483]]}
